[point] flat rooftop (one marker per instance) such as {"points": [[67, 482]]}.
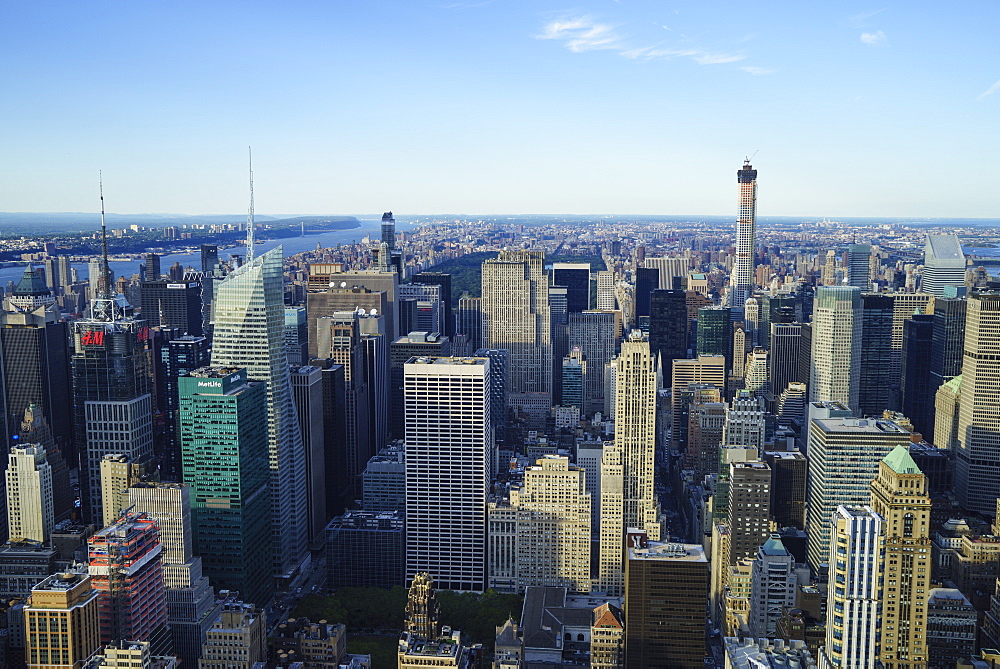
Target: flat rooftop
{"points": [[658, 550]]}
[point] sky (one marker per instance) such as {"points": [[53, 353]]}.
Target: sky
{"points": [[477, 107]]}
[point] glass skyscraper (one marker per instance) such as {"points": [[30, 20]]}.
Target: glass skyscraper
{"points": [[224, 453], [249, 322]]}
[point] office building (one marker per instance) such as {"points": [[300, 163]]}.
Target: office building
{"points": [[917, 391], [366, 549], [34, 360], [742, 283], [237, 639], [788, 487], [30, 511], [607, 638], [24, 564], [703, 369], [296, 334], [976, 475], [836, 346], [340, 297], [714, 332], [786, 344], [668, 327], [946, 406], [944, 264], [112, 390], [450, 460], [346, 291], [773, 587], [418, 344], [948, 339], [878, 387], [423, 611], [124, 562], [550, 543], [853, 625], [421, 308], [177, 357], [249, 320], [596, 333], [515, 309], [858, 266], [606, 281], [384, 480], [669, 268], [224, 455], [611, 577], [647, 279], [666, 596], [173, 304], [575, 276], [191, 605], [952, 626], [307, 392], [635, 432], [469, 323], [749, 508], [706, 420], [118, 473], [444, 281], [843, 458], [899, 496], [61, 622], [574, 371]]}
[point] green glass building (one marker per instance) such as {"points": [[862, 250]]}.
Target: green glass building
{"points": [[715, 332], [224, 455]]}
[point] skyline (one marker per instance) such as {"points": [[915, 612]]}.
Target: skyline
{"points": [[625, 108]]}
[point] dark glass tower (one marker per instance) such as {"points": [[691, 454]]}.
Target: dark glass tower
{"points": [[175, 304], [715, 332], [34, 352], [876, 385], [177, 357], [576, 278], [918, 395], [647, 279], [389, 231], [668, 327], [444, 280]]}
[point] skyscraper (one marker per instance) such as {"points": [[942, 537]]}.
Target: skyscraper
{"points": [[635, 432], [34, 353], [666, 595], [596, 333], [112, 383], [836, 345], [877, 382], [843, 459], [773, 582], [976, 475], [30, 512], [786, 344], [175, 304], [668, 327], [389, 231], [858, 266], [742, 284], [944, 264], [125, 568], [899, 496], [852, 629], [249, 321], [224, 448], [444, 281], [515, 308], [450, 460], [576, 277], [918, 393]]}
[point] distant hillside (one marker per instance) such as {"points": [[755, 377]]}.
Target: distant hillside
{"points": [[31, 223]]}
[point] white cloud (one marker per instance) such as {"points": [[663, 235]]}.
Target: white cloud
{"points": [[873, 39], [585, 34], [756, 70], [989, 91], [582, 34], [864, 16]]}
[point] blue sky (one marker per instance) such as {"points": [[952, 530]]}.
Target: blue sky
{"points": [[884, 109]]}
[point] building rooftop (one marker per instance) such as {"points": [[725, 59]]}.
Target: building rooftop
{"points": [[900, 461], [859, 425], [545, 614], [60, 582], [656, 550], [451, 360]]}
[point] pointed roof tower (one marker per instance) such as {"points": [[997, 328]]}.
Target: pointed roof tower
{"points": [[900, 461]]}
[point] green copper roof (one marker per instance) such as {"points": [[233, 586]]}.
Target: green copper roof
{"points": [[30, 284], [899, 461]]}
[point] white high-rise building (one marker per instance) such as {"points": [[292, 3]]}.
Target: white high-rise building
{"points": [[515, 312], [742, 283], [249, 321], [852, 626], [450, 458], [606, 290], [551, 514], [836, 346], [30, 512], [843, 456], [611, 575], [977, 478], [669, 267], [944, 264]]}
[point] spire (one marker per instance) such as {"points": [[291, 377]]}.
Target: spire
{"points": [[104, 283], [250, 239]]}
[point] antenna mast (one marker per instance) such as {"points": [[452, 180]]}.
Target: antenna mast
{"points": [[250, 239], [104, 283]]}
